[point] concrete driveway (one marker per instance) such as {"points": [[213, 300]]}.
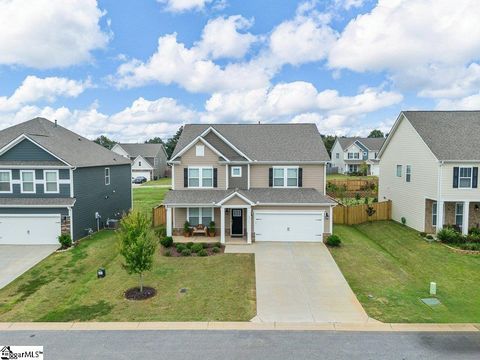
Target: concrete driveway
{"points": [[300, 282], [16, 259]]}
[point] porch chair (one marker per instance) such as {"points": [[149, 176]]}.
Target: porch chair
{"points": [[199, 229]]}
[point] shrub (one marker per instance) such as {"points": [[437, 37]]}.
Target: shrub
{"points": [[65, 240], [189, 245], [473, 238], [470, 246], [423, 234], [196, 248], [202, 252], [333, 240], [474, 231], [403, 220], [186, 227], [449, 236], [218, 244], [160, 231], [186, 252], [211, 227], [205, 245], [375, 200], [167, 241], [357, 196], [216, 249], [180, 247], [168, 253]]}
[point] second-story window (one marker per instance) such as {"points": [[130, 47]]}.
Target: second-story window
{"points": [[399, 171], [236, 171], [107, 176], [337, 155], [285, 177], [354, 156], [408, 173], [200, 150], [201, 177], [465, 177], [51, 181], [28, 181], [5, 181], [139, 163]]}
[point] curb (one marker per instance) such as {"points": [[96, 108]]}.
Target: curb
{"points": [[241, 326]]}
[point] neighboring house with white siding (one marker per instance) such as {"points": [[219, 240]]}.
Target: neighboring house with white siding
{"points": [[429, 169], [148, 160], [262, 182], [349, 153]]}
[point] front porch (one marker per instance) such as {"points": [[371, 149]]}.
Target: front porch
{"points": [[461, 215]]}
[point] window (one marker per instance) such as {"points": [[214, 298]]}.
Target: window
{"points": [[5, 181], [139, 163], [354, 155], [376, 154], [51, 181], [434, 213], [285, 177], [399, 171], [408, 173], [353, 168], [459, 215], [200, 150], [337, 155], [27, 181], [200, 177], [107, 176], [236, 171], [198, 216], [465, 177], [365, 154], [155, 161]]}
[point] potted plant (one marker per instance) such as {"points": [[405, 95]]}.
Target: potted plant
{"points": [[186, 229], [211, 229]]}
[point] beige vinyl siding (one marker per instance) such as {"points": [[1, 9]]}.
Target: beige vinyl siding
{"points": [[189, 158], [296, 208], [180, 216], [313, 176], [406, 147], [235, 201], [448, 192]]}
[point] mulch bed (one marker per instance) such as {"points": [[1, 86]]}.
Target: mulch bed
{"points": [[135, 294], [209, 249]]}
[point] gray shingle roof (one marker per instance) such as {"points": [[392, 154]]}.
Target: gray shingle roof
{"points": [[372, 144], [65, 144], [145, 150], [60, 202], [260, 195], [450, 135], [265, 142], [31, 162]]}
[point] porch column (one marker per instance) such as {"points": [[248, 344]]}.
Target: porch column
{"points": [[249, 225], [222, 225], [466, 212], [440, 213], [169, 221]]}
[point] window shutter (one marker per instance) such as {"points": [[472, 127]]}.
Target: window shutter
{"points": [[455, 177], [270, 177], [300, 177], [475, 178], [185, 177], [215, 183]]}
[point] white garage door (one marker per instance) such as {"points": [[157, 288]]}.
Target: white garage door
{"points": [[141, 173], [29, 229], [288, 226]]}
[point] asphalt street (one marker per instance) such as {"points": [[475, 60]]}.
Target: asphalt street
{"points": [[200, 345]]}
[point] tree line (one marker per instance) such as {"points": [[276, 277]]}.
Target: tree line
{"points": [[171, 142]]}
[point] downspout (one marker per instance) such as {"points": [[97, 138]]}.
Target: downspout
{"points": [[439, 196], [72, 195]]}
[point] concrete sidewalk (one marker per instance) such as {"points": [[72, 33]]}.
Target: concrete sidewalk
{"points": [[280, 326]]}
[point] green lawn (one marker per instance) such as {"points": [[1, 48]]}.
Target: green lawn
{"points": [[64, 286], [346, 177], [162, 181], [394, 265]]}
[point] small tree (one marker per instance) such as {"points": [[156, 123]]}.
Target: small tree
{"points": [[363, 168], [370, 211], [137, 244]]}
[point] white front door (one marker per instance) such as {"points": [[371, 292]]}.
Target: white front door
{"points": [[300, 226], [29, 229]]}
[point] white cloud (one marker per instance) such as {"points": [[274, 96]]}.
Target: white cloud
{"points": [[49, 33], [471, 102], [184, 5], [34, 89], [173, 62], [221, 39]]}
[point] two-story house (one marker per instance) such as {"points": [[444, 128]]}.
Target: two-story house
{"points": [[429, 169], [262, 182], [348, 153], [148, 160], [54, 181]]}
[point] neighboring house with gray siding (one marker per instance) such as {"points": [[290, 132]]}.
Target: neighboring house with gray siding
{"points": [[148, 160], [349, 153], [262, 182], [54, 181], [429, 169]]}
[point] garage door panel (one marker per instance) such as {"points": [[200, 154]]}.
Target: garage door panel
{"points": [[288, 226], [146, 174], [29, 229]]}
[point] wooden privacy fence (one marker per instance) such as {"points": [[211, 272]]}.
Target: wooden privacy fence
{"points": [[355, 184], [357, 214], [159, 215]]}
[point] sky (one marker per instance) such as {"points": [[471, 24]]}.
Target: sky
{"points": [[134, 70]]}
